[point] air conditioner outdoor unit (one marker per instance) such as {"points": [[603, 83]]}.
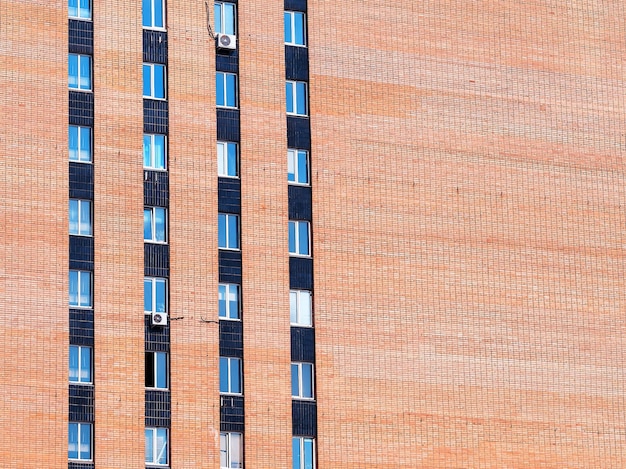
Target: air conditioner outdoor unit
{"points": [[159, 319], [226, 41]]}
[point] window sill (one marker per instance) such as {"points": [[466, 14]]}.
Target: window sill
{"points": [[302, 256], [221, 318], [153, 98], [81, 90], [299, 184]]}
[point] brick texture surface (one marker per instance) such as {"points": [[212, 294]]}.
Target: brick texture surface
{"points": [[468, 202]]}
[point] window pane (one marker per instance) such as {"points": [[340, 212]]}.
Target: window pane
{"points": [[231, 90], [233, 302], [217, 14], [223, 374], [232, 159], [219, 89], [73, 216], [287, 17], [299, 28], [85, 218], [233, 232], [147, 224], [73, 8], [85, 365], [147, 295], [85, 441], [308, 453], [307, 380], [85, 289], [158, 14], [147, 80], [149, 445], [292, 237], [73, 142], [236, 452], [161, 370], [291, 165], [85, 9], [229, 18], [147, 151], [85, 72], [303, 170], [159, 224], [301, 98], [85, 144], [289, 96], [73, 71], [159, 81], [295, 380], [72, 437], [74, 363], [73, 287], [159, 151], [235, 375], [149, 369], [223, 450], [221, 230], [303, 238], [161, 296], [296, 453]]}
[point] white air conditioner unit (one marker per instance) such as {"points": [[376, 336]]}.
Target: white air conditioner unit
{"points": [[159, 319], [226, 41]]}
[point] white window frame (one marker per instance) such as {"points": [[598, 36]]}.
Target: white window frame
{"points": [[80, 138], [226, 217], [82, 428], [299, 367], [292, 97], [157, 372], [223, 168], [229, 442], [297, 242], [152, 14], [82, 276], [82, 370], [158, 450], [229, 376], [225, 105], [293, 157], [151, 67], [222, 15], [80, 59], [153, 281], [292, 27], [230, 290], [299, 301], [80, 11], [153, 226], [150, 149], [83, 228], [299, 445]]}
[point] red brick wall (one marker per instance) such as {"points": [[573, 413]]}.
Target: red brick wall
{"points": [[118, 239], [34, 227], [468, 228], [193, 240], [264, 235]]}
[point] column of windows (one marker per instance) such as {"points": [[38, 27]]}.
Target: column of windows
{"points": [[155, 234], [229, 226], [81, 425], [304, 424]]}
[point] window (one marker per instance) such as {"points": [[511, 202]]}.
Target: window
{"points": [[154, 151], [80, 9], [299, 238], [225, 17], [298, 166], [155, 224], [80, 143], [153, 14], [303, 453], [80, 364], [80, 289], [80, 217], [228, 301], [154, 81], [296, 98], [156, 446], [300, 307], [227, 231], [227, 160], [79, 441], [156, 370], [231, 451], [295, 28], [226, 89], [302, 380], [154, 295], [79, 72], [230, 375]]}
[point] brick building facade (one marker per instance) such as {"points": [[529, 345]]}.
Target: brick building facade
{"points": [[382, 234]]}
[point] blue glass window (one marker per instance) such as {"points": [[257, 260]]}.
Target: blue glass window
{"points": [[153, 14], [156, 370], [227, 231], [80, 9], [80, 289], [230, 375], [227, 159], [299, 238], [80, 364], [302, 380], [226, 89], [79, 143], [225, 17], [157, 446], [303, 453], [295, 28], [79, 441], [154, 151], [228, 301], [296, 95], [154, 295], [154, 86], [298, 166], [155, 224], [79, 72]]}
